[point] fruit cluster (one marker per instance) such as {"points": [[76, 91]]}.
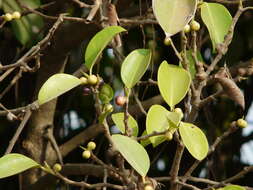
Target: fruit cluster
{"points": [[8, 16], [87, 153], [90, 80]]}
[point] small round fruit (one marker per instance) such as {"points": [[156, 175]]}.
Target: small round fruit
{"points": [[167, 41], [92, 80], [120, 100], [86, 91], [148, 187], [187, 28], [195, 26], [86, 154], [241, 123], [16, 15], [91, 145], [168, 135], [84, 80], [108, 108], [8, 17], [57, 167], [180, 112]]}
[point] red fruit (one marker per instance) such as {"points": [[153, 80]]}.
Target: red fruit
{"points": [[120, 100]]}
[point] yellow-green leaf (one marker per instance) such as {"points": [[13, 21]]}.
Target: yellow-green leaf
{"points": [[232, 187], [56, 85], [118, 119], [194, 140], [98, 44], [218, 21], [134, 66], [13, 163], [160, 119], [133, 152], [106, 93], [173, 83], [173, 15]]}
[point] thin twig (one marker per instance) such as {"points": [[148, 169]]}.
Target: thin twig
{"points": [[35, 50], [176, 51], [18, 132], [189, 186], [155, 133], [87, 185], [82, 4], [139, 104], [176, 162], [49, 135]]}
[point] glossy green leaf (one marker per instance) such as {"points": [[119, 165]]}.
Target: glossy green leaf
{"points": [[106, 93], [159, 119], [56, 85], [232, 187], [191, 62], [133, 152], [173, 15], [13, 163], [134, 66], [173, 83], [118, 119], [194, 140], [98, 43], [145, 142], [28, 27], [218, 21]]}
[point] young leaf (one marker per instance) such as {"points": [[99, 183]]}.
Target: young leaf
{"points": [[27, 27], [56, 85], [218, 21], [118, 119], [98, 43], [133, 152], [173, 15], [173, 83], [194, 140], [134, 66], [13, 163], [233, 187], [106, 93], [159, 119]]}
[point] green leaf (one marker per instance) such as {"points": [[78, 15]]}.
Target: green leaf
{"points": [[133, 152], [56, 85], [192, 68], [28, 27], [194, 140], [98, 43], [160, 119], [173, 83], [134, 66], [218, 21], [232, 187], [118, 119], [106, 93], [145, 142], [173, 15], [13, 163]]}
